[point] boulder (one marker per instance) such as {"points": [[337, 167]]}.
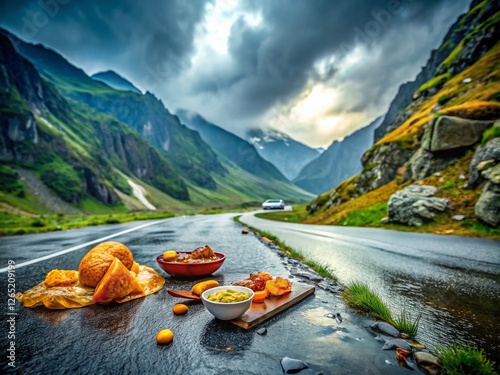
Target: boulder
{"points": [[380, 166], [424, 163], [427, 360], [419, 165], [485, 156], [487, 208], [385, 328], [449, 132], [492, 174], [415, 204]]}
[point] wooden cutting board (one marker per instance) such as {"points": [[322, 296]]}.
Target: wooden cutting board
{"points": [[260, 312]]}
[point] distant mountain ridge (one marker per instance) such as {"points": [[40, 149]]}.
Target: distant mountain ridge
{"points": [[287, 154], [77, 153], [340, 161], [233, 147], [116, 81], [84, 140], [143, 113]]}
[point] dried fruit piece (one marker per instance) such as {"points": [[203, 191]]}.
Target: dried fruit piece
{"points": [[180, 309], [165, 336], [278, 286], [200, 287], [170, 255], [260, 295]]}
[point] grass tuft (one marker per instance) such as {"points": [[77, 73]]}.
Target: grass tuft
{"points": [[464, 360], [365, 217], [360, 296], [404, 322]]}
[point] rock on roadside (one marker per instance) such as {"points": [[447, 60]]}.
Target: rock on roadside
{"points": [[415, 204]]}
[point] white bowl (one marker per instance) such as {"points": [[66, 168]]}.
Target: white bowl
{"points": [[227, 310]]}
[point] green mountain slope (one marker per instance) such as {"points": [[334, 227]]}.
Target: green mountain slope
{"points": [[77, 152], [458, 101], [115, 81], [233, 147], [143, 113], [59, 155]]}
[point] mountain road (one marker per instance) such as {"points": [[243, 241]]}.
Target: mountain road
{"points": [[120, 338], [454, 282]]}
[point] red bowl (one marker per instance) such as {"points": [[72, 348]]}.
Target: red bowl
{"points": [[191, 269]]}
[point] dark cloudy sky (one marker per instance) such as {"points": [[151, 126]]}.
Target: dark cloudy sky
{"points": [[315, 69]]}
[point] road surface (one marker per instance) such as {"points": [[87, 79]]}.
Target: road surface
{"points": [[453, 281], [120, 338]]}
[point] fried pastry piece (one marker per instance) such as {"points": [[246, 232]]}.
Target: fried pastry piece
{"points": [[57, 297], [145, 281], [148, 281], [61, 278], [117, 282], [97, 261]]}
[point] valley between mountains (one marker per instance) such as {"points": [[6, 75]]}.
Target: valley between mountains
{"points": [[74, 144]]}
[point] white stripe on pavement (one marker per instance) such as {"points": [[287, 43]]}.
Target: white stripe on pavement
{"points": [[74, 248]]}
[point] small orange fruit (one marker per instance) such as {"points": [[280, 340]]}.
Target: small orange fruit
{"points": [[169, 255], [180, 309], [165, 336]]}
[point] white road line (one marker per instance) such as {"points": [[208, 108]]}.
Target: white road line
{"points": [[77, 247]]}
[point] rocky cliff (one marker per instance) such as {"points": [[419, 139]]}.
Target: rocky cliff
{"points": [[143, 113], [437, 136], [75, 151], [444, 61]]}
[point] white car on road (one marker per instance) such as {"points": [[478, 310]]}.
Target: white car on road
{"points": [[273, 204]]}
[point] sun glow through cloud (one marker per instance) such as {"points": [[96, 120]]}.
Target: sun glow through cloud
{"points": [[315, 105], [313, 72]]}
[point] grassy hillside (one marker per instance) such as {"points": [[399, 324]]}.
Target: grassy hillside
{"points": [[463, 87]]}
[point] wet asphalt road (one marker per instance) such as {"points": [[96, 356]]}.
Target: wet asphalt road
{"points": [[453, 281], [120, 338]]}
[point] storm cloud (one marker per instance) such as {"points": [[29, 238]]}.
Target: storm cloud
{"points": [[317, 70]]}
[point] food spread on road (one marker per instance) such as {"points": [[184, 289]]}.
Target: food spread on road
{"points": [[272, 305], [198, 255], [196, 290], [106, 273], [256, 281], [229, 296], [263, 284]]}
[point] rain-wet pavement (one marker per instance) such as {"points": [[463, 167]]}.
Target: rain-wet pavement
{"points": [[120, 338], [453, 281]]}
